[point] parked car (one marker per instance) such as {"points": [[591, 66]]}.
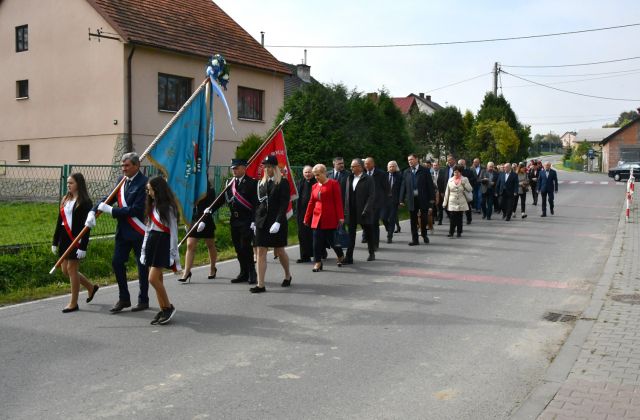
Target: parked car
{"points": [[621, 172]]}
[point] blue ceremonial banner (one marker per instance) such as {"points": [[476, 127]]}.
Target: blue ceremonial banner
{"points": [[182, 154]]}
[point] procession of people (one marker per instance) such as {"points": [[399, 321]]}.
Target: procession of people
{"points": [[330, 204]]}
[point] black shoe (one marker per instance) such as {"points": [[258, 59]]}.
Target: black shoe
{"points": [[240, 280], [364, 241], [458, 235], [287, 282], [155, 320], [185, 280], [414, 243], [425, 238], [303, 260], [347, 261], [543, 215], [317, 267], [551, 211], [213, 276], [450, 235], [67, 310], [120, 305], [95, 289], [484, 217], [488, 218], [166, 316], [140, 307], [253, 278], [372, 257], [258, 289], [439, 222], [397, 230], [389, 240]]}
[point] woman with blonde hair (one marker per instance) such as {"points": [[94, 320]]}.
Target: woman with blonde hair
{"points": [[74, 208], [271, 228]]}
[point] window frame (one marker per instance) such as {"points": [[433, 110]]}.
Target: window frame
{"points": [[247, 115], [21, 149], [19, 95], [23, 44], [187, 82]]}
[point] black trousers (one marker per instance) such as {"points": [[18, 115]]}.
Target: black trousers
{"points": [[413, 217], [120, 257], [353, 227], [242, 237], [455, 222], [547, 196], [507, 205], [523, 203], [305, 238], [322, 238], [534, 193]]}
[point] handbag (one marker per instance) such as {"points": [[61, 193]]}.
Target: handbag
{"points": [[341, 237], [468, 195]]}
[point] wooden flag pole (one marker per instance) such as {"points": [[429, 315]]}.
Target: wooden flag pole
{"points": [[194, 226], [111, 196]]}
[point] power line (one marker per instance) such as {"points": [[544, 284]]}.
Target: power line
{"points": [[568, 122], [457, 83], [580, 80], [574, 65], [581, 74], [568, 91], [474, 41]]}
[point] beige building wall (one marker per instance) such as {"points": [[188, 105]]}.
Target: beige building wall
{"points": [[76, 91], [148, 121]]}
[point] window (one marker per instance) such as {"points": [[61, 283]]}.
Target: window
{"points": [[173, 92], [24, 153], [250, 103], [22, 89], [22, 38]]}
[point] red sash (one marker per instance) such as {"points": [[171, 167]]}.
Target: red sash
{"points": [[155, 218], [67, 227], [238, 197], [133, 221]]}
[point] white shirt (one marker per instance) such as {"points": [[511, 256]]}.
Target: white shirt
{"points": [[356, 178], [68, 211]]}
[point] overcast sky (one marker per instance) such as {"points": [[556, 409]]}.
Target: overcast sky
{"points": [[408, 70]]}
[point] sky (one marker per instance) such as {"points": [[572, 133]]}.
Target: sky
{"points": [[425, 69]]}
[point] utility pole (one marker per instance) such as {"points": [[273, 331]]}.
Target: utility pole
{"points": [[496, 69]]}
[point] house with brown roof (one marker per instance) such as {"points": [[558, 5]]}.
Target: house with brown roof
{"points": [[416, 103], [621, 145], [87, 81]]}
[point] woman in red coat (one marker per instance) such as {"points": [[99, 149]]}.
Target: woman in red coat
{"points": [[324, 214]]}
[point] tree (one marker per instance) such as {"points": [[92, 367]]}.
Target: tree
{"points": [[249, 145], [625, 118], [438, 133], [496, 141]]}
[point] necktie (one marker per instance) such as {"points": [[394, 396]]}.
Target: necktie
{"points": [[126, 185], [391, 180], [413, 179]]}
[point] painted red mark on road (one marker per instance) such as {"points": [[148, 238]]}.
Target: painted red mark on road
{"points": [[474, 278]]}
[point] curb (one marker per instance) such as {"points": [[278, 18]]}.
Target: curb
{"points": [[559, 369]]}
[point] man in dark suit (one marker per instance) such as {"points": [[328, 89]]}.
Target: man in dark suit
{"points": [[305, 233], [473, 180], [507, 188], [390, 209], [443, 179], [359, 207], [242, 197], [339, 173], [130, 231], [547, 186], [418, 194], [488, 179], [477, 194], [382, 194]]}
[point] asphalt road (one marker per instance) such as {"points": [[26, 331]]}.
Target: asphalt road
{"points": [[450, 330]]}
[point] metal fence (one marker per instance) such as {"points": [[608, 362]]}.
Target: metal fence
{"points": [[29, 197]]}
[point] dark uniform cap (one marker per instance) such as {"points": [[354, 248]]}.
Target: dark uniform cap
{"points": [[238, 162], [270, 160]]}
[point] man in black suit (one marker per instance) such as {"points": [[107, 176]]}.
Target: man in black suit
{"points": [[418, 194], [547, 186], [390, 209], [507, 188], [242, 197], [305, 233], [473, 180], [130, 230], [382, 195], [359, 207], [443, 179], [339, 173]]}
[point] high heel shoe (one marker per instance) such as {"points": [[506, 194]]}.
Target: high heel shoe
{"points": [[215, 273], [317, 267], [287, 282], [185, 280]]}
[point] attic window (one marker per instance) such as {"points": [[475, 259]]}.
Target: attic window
{"points": [[173, 92]]}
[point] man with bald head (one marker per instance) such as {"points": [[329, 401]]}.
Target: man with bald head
{"points": [[547, 187]]}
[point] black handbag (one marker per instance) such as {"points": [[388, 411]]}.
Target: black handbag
{"points": [[341, 237]]}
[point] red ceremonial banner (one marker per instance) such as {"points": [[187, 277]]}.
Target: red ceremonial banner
{"points": [[275, 147]]}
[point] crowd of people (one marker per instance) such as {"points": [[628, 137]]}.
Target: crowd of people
{"points": [[331, 205]]}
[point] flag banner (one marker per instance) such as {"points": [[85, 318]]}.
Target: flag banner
{"points": [[276, 147], [182, 154]]}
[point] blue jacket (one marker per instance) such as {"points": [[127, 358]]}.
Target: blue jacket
{"points": [[135, 197], [547, 183]]}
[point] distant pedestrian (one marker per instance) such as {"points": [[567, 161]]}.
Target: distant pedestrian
{"points": [[507, 189], [390, 210], [455, 200], [548, 187], [74, 208], [488, 179], [523, 187], [305, 233]]}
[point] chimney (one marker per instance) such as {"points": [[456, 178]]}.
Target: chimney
{"points": [[262, 38], [304, 72], [428, 97], [373, 96], [421, 95]]}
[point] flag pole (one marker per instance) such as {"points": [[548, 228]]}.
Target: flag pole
{"points": [[194, 226], [111, 196]]}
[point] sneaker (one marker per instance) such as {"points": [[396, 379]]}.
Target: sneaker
{"points": [[155, 320], [166, 316]]}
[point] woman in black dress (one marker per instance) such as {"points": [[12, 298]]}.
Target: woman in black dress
{"points": [[74, 208], [206, 230], [271, 226]]}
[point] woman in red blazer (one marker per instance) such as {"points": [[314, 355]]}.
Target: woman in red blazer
{"points": [[324, 214]]}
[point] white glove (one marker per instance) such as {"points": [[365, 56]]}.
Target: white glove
{"points": [[207, 210], [81, 254], [91, 220], [274, 228], [200, 227], [142, 259], [105, 208], [253, 227], [54, 250]]}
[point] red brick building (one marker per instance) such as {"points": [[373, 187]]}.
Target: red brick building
{"points": [[621, 145]]}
